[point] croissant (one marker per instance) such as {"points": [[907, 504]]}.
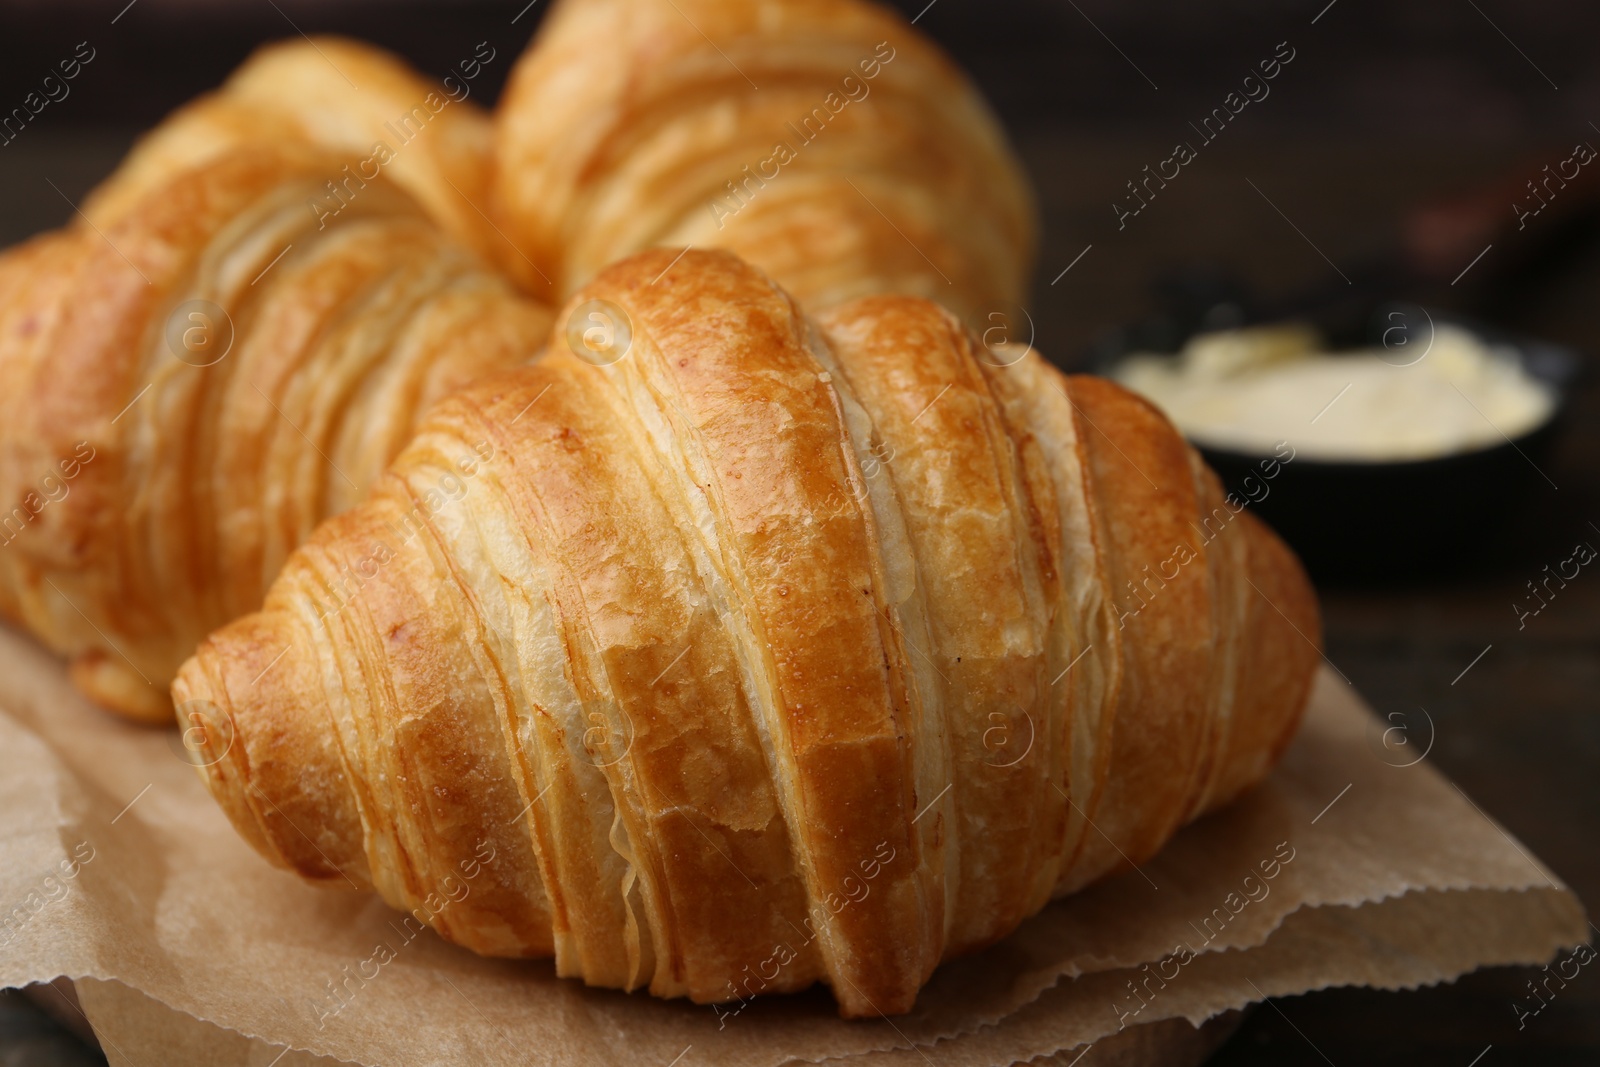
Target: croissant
{"points": [[826, 141], [126, 578], [343, 96], [726, 650], [189, 388]]}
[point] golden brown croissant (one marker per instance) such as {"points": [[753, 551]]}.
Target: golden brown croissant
{"points": [[187, 390], [826, 141], [729, 650], [347, 97]]}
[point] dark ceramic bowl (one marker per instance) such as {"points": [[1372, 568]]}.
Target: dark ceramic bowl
{"points": [[1360, 522]]}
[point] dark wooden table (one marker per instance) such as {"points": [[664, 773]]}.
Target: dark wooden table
{"points": [[1520, 730]]}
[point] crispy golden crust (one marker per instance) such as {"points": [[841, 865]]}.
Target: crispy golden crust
{"points": [[340, 95], [187, 391], [630, 124], [774, 650]]}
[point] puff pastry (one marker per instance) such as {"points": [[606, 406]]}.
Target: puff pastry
{"points": [[756, 650], [826, 141], [341, 95], [190, 386]]}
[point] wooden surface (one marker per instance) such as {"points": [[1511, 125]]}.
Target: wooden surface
{"points": [[1372, 127]]}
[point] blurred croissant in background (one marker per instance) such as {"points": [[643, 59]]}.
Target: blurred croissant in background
{"points": [[826, 141], [244, 323], [702, 633], [229, 345], [343, 96]]}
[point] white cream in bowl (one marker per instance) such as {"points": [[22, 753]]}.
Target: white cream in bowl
{"points": [[1248, 390]]}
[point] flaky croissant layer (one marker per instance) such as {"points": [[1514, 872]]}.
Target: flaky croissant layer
{"points": [[230, 342], [758, 649], [187, 390], [345, 97], [826, 141]]}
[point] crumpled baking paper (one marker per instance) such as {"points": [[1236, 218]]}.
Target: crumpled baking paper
{"points": [[1355, 863]]}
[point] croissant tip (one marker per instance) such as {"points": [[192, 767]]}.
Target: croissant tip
{"points": [[115, 684]]}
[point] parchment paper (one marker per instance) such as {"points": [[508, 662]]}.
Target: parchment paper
{"points": [[121, 868]]}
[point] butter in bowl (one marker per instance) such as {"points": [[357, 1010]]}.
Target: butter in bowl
{"points": [[1404, 458]]}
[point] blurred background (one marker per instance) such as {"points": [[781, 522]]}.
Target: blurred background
{"points": [[1382, 166]]}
